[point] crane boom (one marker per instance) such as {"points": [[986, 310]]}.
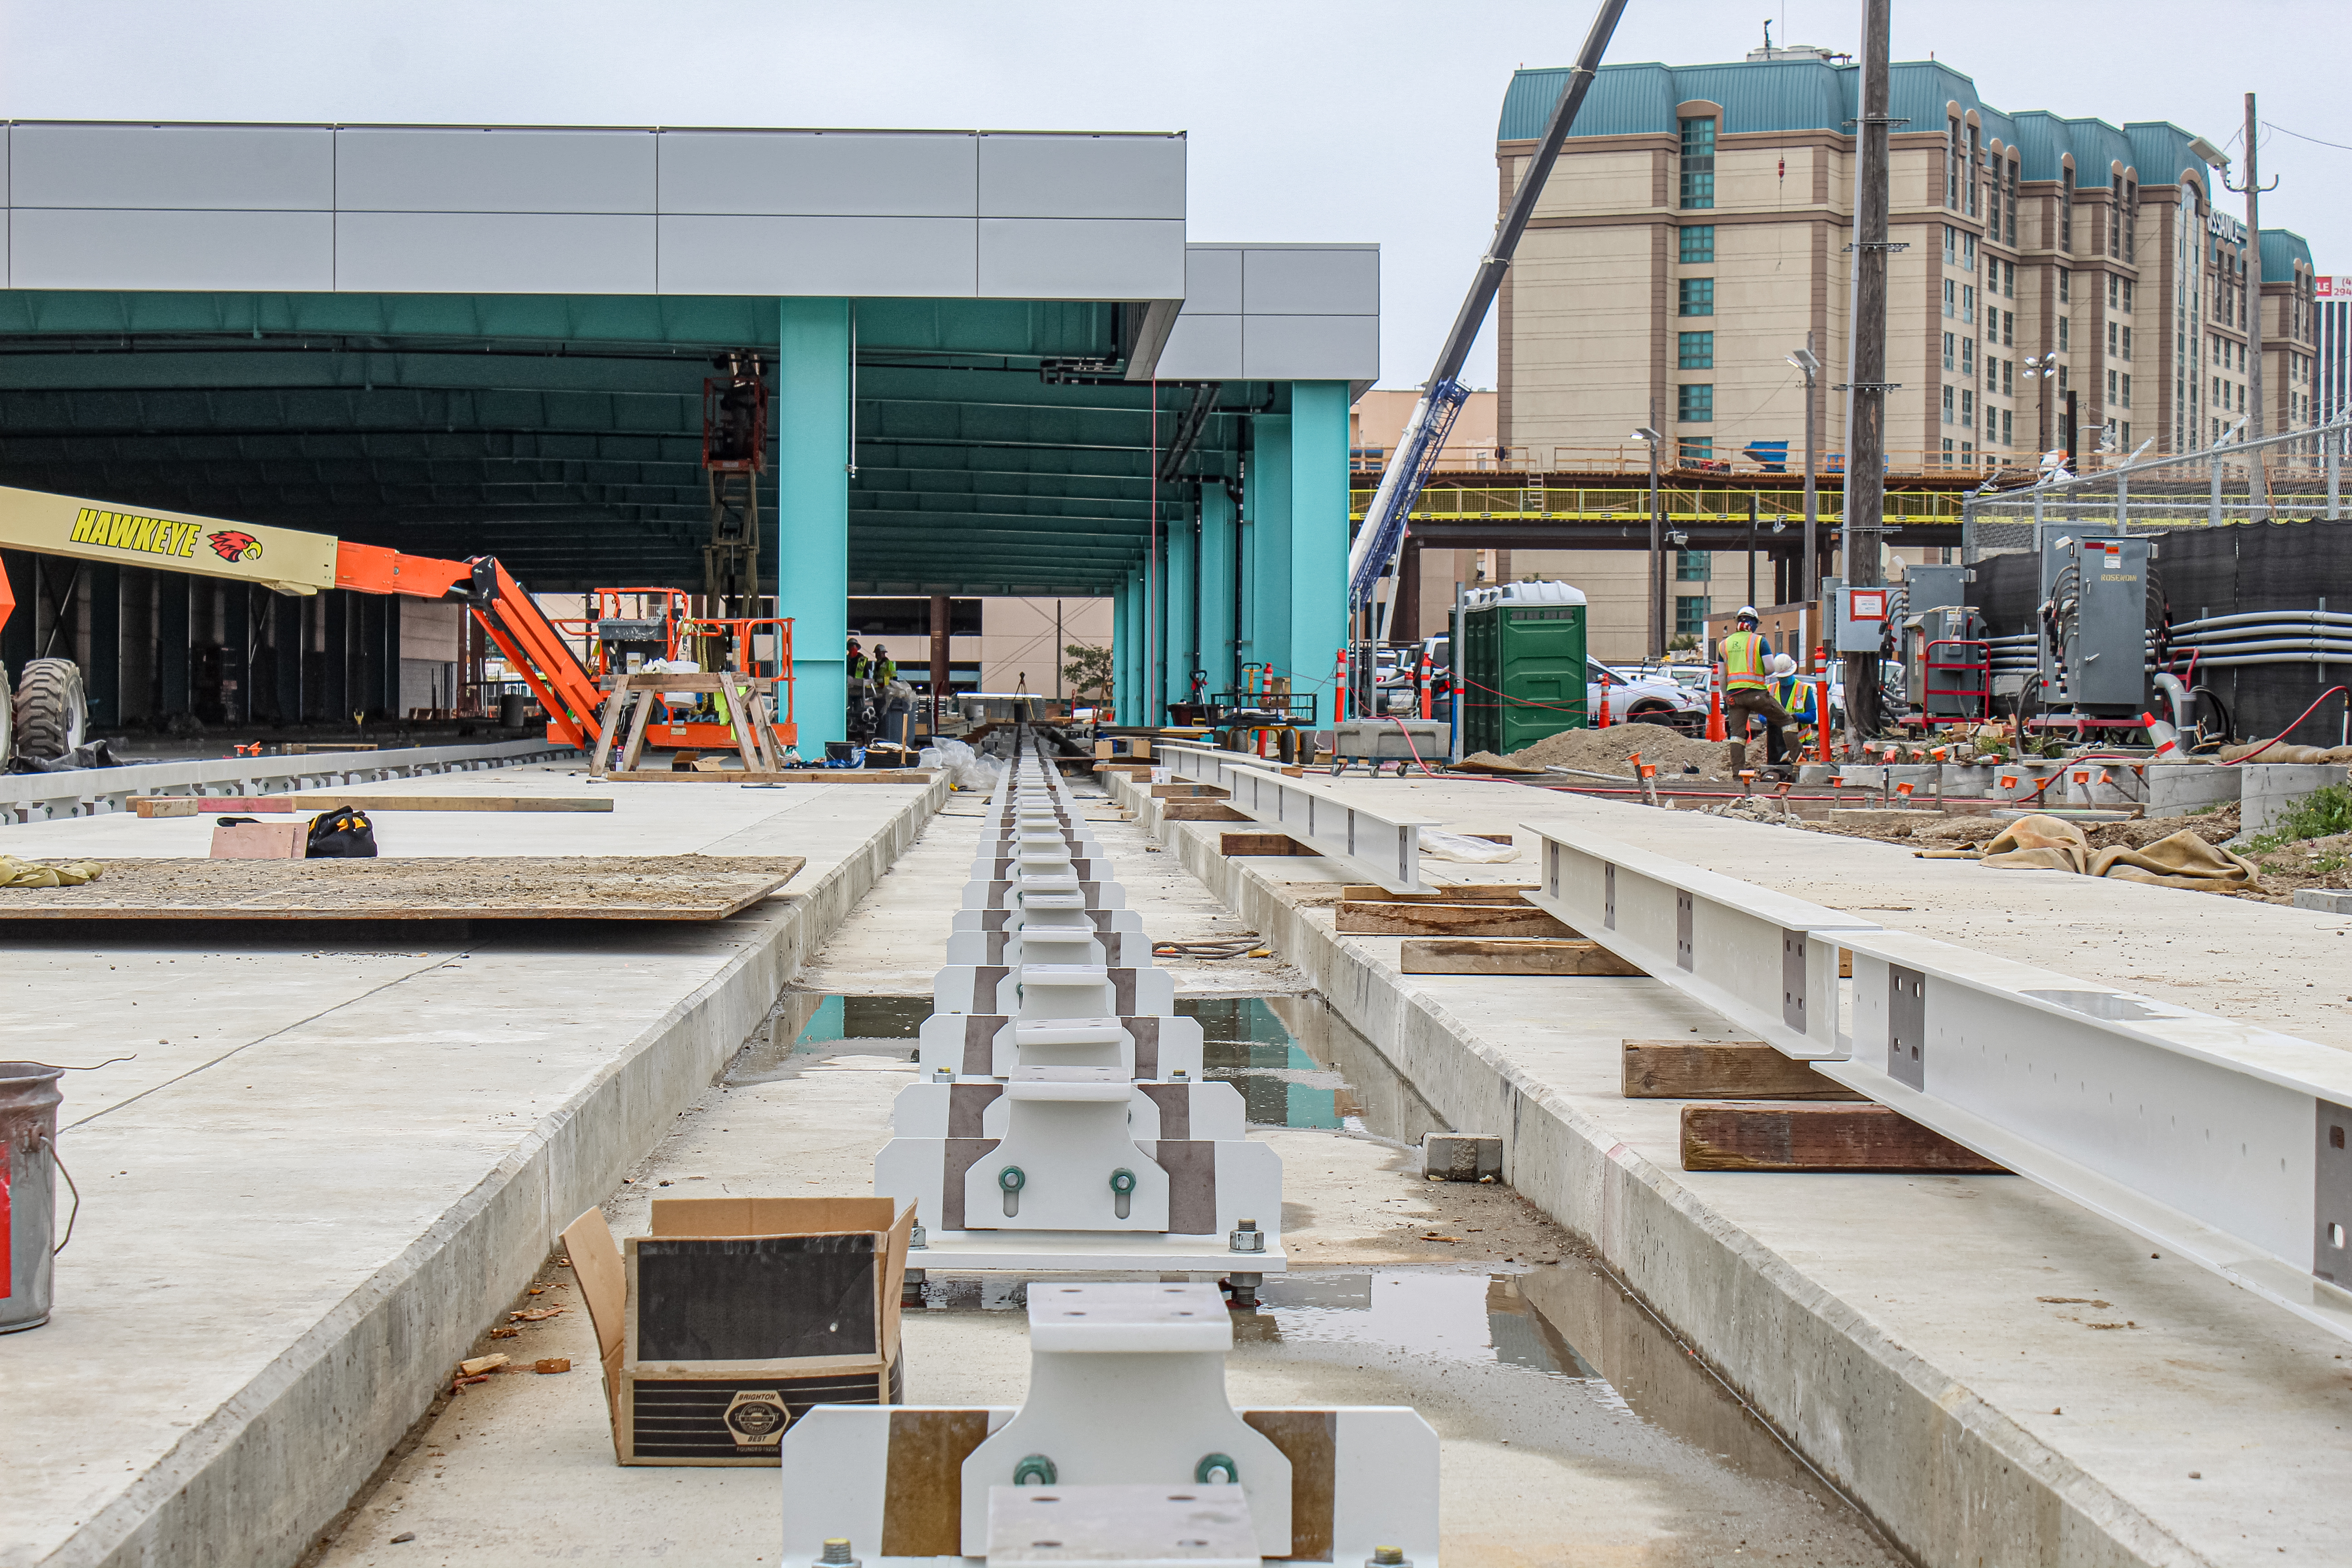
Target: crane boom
{"points": [[1442, 395]]}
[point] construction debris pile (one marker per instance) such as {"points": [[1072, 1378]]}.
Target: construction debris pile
{"points": [[1609, 750]]}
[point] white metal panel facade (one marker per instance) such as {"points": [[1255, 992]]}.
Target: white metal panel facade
{"points": [[257, 168], [442, 169], [494, 253], [1081, 176], [820, 173], [1081, 258], [1279, 313], [52, 247], [872, 257]]}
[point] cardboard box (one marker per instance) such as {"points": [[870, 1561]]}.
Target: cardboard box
{"points": [[262, 841], [722, 1328]]}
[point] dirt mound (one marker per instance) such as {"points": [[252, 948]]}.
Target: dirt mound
{"points": [[1608, 751]]}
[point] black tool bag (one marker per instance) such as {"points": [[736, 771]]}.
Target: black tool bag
{"points": [[343, 833]]}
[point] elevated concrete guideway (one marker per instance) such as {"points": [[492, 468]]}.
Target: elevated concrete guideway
{"points": [[998, 364], [338, 1141]]}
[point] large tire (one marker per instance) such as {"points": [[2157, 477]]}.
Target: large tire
{"points": [[8, 722], [51, 711]]}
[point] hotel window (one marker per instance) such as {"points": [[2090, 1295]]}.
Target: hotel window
{"points": [[2009, 279], [2066, 284], [2061, 380], [1947, 350], [1690, 615], [2065, 210], [2126, 431], [2008, 329], [1694, 565], [1967, 409], [2111, 386], [1952, 162], [1968, 301], [2127, 354], [1967, 454], [1968, 356], [2008, 380], [1696, 296], [1695, 404], [2111, 337], [2130, 221], [1947, 406], [1951, 245], [1697, 349], [2128, 295], [2125, 398], [1698, 242], [2005, 429], [2010, 227], [1967, 253], [1698, 164], [2115, 290], [1690, 449], [1951, 294], [1971, 176], [2065, 331]]}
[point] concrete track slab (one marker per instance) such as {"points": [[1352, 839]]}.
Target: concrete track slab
{"points": [[297, 1211], [1996, 1375], [1610, 1447]]}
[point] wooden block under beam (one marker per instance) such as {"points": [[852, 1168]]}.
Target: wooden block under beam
{"points": [[1190, 792], [1200, 811], [1820, 1138], [1722, 1069], [1487, 955], [1230, 844], [1468, 894], [1360, 917]]}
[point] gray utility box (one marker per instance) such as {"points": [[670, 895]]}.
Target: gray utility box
{"points": [[1935, 587], [1393, 739], [2098, 586]]}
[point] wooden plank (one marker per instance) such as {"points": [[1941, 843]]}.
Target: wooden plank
{"points": [[635, 748], [1190, 792], [1260, 844], [603, 755], [1722, 1069], [1489, 956], [1360, 917], [318, 800], [786, 776], [1820, 1138], [511, 887], [1466, 893], [1201, 811]]}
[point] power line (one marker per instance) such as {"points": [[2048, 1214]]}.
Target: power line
{"points": [[2301, 137]]}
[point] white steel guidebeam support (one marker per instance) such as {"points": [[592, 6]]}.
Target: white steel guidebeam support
{"points": [[1380, 846]]}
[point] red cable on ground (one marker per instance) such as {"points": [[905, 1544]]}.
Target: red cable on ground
{"points": [[1409, 745], [2282, 734]]}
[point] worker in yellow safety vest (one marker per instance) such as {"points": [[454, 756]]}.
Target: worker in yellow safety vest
{"points": [[1747, 690], [1793, 693]]}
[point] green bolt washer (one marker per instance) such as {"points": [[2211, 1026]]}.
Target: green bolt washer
{"points": [[1122, 1185], [1035, 1467], [1011, 1180], [1210, 1464]]}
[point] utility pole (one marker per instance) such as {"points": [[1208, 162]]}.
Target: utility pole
{"points": [[2257, 481], [1865, 462], [1649, 433]]}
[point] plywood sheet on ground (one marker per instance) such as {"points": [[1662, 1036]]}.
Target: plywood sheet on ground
{"points": [[516, 886]]}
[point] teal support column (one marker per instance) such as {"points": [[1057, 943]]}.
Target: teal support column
{"points": [[1135, 702], [1182, 600], [1122, 642], [1269, 547], [812, 421], [1319, 537], [1217, 562]]}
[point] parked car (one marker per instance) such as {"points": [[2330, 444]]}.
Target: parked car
{"points": [[1644, 698]]}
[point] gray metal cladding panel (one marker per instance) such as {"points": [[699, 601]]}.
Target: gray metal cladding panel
{"points": [[259, 168], [1304, 281], [1201, 348], [1310, 348], [1213, 279], [1082, 176], [1081, 258], [494, 253], [494, 171], [873, 257], [48, 248], [831, 174]]}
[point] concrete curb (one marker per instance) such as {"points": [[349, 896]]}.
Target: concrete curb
{"points": [[269, 1470], [1943, 1472]]}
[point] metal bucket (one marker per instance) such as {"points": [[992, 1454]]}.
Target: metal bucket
{"points": [[28, 1132], [514, 710]]}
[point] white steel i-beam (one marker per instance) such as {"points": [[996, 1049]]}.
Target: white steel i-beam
{"points": [[1380, 846], [2225, 1143]]}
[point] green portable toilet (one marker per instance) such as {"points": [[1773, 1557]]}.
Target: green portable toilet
{"points": [[1523, 665]]}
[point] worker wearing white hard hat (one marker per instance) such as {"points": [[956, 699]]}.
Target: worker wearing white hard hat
{"points": [[1794, 694], [1746, 688]]}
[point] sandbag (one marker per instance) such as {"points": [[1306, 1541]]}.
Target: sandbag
{"points": [[1442, 845], [15, 873], [2039, 843], [2181, 860]]}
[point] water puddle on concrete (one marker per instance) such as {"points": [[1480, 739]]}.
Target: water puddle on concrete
{"points": [[1573, 1423]]}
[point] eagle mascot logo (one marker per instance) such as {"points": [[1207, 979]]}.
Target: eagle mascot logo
{"points": [[234, 544]]}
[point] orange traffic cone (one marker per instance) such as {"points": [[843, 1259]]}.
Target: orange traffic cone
{"points": [[1714, 714], [1603, 723]]}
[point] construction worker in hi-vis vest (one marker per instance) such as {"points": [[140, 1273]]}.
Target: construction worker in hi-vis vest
{"points": [[1747, 692]]}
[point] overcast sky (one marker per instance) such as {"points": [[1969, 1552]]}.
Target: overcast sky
{"points": [[1356, 119]]}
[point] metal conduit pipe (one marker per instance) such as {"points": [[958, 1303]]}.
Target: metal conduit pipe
{"points": [[2254, 617], [2205, 651], [2169, 684]]}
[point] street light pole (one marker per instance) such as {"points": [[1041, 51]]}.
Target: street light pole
{"points": [[1658, 546], [1810, 585]]}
